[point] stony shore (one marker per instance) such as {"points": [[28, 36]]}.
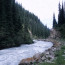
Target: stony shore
{"points": [[47, 56]]}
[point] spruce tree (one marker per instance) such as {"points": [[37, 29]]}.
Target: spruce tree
{"points": [[54, 22], [61, 21], [15, 24], [61, 16]]}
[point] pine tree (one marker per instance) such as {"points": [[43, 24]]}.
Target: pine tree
{"points": [[61, 21], [54, 22], [15, 24], [61, 16]]}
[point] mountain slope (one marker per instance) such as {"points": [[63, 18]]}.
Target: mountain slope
{"points": [[15, 23]]}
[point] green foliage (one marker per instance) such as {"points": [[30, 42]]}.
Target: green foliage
{"points": [[60, 58], [15, 23], [54, 22], [47, 64], [61, 21], [62, 30]]}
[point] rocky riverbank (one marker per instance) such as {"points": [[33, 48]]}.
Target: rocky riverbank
{"points": [[47, 56]]}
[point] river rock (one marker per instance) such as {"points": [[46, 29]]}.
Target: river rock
{"points": [[27, 61], [37, 57], [51, 52], [46, 52], [49, 57], [43, 58], [53, 49]]}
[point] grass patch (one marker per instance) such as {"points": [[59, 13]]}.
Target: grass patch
{"points": [[60, 58], [46, 64], [63, 47]]}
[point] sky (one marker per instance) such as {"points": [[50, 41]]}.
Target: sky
{"points": [[44, 9]]}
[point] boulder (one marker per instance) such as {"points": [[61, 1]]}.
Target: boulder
{"points": [[37, 57], [31, 60], [49, 57], [46, 52], [27, 61], [51, 53], [43, 58], [53, 49]]}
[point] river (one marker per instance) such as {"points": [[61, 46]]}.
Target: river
{"points": [[12, 56]]}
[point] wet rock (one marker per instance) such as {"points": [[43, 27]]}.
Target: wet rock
{"points": [[47, 52], [51, 53], [43, 58], [30, 61], [37, 57], [27, 61], [48, 55], [53, 49]]}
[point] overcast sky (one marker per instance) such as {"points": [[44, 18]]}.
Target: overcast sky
{"points": [[44, 9]]}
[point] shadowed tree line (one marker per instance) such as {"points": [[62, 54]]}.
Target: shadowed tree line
{"points": [[15, 24], [60, 25]]}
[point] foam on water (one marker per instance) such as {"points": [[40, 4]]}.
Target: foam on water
{"points": [[12, 56]]}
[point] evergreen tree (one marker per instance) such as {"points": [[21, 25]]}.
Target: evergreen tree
{"points": [[54, 22], [61, 21], [15, 24], [61, 16]]}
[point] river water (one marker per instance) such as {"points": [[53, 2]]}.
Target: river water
{"points": [[12, 56]]}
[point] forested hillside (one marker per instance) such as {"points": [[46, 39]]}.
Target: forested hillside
{"points": [[60, 25], [16, 23]]}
